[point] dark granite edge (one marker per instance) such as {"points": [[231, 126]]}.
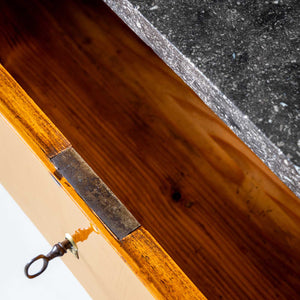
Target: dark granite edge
{"points": [[239, 123]]}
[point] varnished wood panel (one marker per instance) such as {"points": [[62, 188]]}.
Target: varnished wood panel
{"points": [[219, 212], [158, 269], [99, 269], [28, 119]]}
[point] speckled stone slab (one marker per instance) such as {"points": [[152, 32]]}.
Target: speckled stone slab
{"points": [[242, 58]]}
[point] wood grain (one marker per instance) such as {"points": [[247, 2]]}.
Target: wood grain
{"points": [[145, 257], [142, 253], [38, 131], [218, 211], [100, 270], [155, 267]]}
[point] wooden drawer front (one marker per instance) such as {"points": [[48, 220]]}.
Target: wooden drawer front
{"points": [[100, 269], [31, 178]]}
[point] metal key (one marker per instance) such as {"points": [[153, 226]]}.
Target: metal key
{"points": [[58, 249]]}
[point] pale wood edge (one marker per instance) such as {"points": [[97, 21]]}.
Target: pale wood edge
{"points": [[147, 259]]}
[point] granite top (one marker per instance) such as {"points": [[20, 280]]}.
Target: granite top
{"points": [[242, 58]]}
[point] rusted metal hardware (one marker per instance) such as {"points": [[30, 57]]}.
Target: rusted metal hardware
{"points": [[95, 193], [57, 250]]}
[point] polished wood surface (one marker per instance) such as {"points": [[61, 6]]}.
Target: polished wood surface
{"points": [[218, 211], [38, 131], [24, 176], [159, 270], [100, 270], [150, 262]]}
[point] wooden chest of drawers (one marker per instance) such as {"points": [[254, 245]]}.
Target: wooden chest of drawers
{"points": [[214, 220]]}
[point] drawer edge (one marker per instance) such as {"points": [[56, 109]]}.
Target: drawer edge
{"points": [[144, 255], [36, 128]]}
